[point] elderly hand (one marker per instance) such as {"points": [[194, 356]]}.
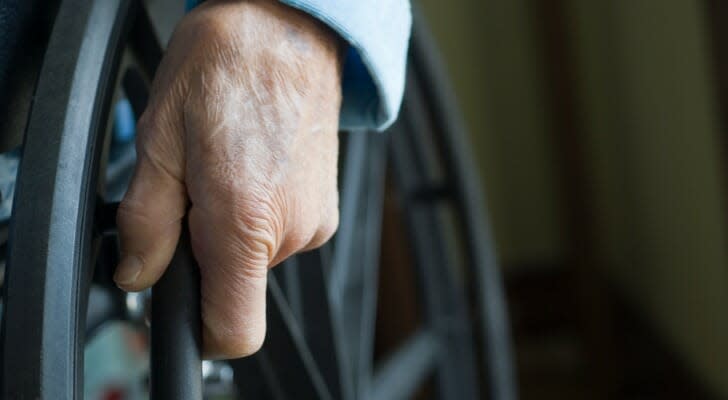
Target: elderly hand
{"points": [[241, 129]]}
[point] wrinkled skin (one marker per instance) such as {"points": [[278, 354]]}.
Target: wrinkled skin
{"points": [[241, 135]]}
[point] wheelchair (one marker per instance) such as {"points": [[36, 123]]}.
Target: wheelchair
{"points": [[410, 207]]}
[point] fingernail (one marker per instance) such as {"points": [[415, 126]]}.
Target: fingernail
{"points": [[128, 270]]}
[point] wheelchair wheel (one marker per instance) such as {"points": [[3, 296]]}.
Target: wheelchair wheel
{"points": [[323, 339]]}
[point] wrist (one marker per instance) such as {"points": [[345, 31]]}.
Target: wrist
{"points": [[234, 16]]}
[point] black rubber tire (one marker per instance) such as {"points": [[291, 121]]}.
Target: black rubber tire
{"points": [[52, 234]]}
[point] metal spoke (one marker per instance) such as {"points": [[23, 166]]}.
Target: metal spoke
{"points": [[286, 353], [255, 377], [404, 371], [366, 301], [303, 282], [283, 325], [344, 243], [342, 273], [317, 319], [288, 274], [353, 282]]}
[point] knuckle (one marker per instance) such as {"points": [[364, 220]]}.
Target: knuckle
{"points": [[207, 25], [258, 244], [299, 236], [247, 236], [212, 35], [325, 232], [226, 181], [131, 212], [330, 225], [258, 222]]}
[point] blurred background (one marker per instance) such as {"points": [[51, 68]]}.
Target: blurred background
{"points": [[599, 128]]}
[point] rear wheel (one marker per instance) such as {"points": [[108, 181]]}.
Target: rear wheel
{"points": [[323, 340]]}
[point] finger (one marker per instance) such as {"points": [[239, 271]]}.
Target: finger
{"points": [[149, 221], [233, 265]]}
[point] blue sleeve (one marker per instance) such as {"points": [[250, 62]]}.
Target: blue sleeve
{"points": [[374, 69]]}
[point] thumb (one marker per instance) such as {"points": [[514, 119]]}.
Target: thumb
{"points": [[149, 220]]}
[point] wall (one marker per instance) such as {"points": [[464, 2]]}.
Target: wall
{"points": [[651, 123], [647, 115]]}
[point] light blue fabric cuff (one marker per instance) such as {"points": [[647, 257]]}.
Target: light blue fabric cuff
{"points": [[374, 69]]}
